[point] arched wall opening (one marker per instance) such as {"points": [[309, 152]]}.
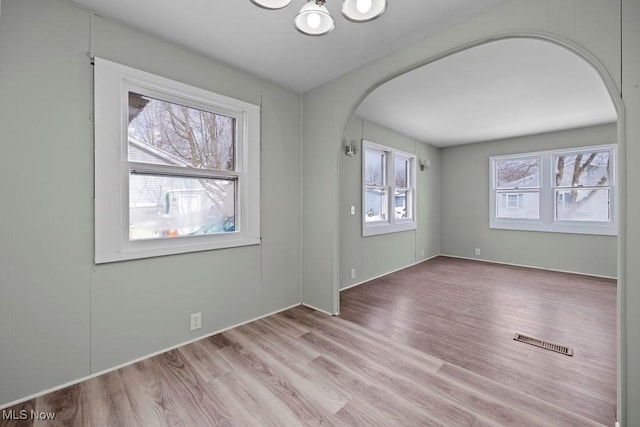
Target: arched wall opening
{"points": [[343, 271]]}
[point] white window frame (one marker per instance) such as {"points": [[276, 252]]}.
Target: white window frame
{"points": [[547, 191], [112, 167], [390, 224]]}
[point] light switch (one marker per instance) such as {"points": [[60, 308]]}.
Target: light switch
{"points": [[353, 210]]}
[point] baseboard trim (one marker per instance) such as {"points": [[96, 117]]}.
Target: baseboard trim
{"points": [[529, 266], [139, 359], [392, 271], [318, 309]]}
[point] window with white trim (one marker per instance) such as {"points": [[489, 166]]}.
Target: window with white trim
{"points": [[176, 167], [388, 190], [568, 191]]}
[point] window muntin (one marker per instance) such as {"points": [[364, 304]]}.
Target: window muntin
{"points": [[177, 167], [570, 191], [388, 177]]}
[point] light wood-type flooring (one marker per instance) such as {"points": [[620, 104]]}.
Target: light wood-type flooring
{"points": [[465, 313], [427, 346]]}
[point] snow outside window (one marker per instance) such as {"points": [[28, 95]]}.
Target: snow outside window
{"points": [[388, 190]]}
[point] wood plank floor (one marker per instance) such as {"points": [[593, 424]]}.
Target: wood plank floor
{"points": [[466, 313], [396, 362]]}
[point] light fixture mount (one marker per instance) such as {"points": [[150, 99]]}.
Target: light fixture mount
{"points": [[314, 18]]}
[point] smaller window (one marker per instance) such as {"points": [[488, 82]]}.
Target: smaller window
{"points": [[389, 190]]}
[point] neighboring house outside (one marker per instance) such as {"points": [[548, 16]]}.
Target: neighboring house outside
{"points": [[519, 199], [164, 206]]}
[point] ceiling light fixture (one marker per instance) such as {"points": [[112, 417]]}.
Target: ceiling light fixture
{"points": [[271, 4], [314, 18], [363, 10]]}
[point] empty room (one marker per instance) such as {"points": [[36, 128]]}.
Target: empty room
{"points": [[276, 212]]}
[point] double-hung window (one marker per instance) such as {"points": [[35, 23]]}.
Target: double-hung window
{"points": [[388, 190], [177, 167], [568, 191]]}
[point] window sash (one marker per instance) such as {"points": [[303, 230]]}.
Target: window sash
{"points": [[511, 212], [384, 159], [590, 217], [205, 111], [369, 214], [536, 159], [185, 208]]}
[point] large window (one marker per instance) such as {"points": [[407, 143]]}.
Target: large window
{"points": [[389, 190], [177, 167], [569, 191]]}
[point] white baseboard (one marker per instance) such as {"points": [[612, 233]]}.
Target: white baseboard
{"points": [[530, 266], [318, 309], [139, 359], [392, 271]]}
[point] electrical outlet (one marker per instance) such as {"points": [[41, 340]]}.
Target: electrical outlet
{"points": [[353, 273], [353, 210], [196, 321], [477, 251], [422, 253]]}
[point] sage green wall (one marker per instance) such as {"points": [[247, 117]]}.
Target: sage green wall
{"points": [[61, 316], [376, 255], [629, 265], [465, 209], [593, 28]]}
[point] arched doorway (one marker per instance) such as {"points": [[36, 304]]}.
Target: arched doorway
{"points": [[347, 250]]}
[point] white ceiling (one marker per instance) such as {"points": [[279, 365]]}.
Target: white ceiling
{"points": [[503, 89], [265, 42]]}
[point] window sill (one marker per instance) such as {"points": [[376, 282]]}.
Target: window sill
{"points": [[591, 228], [164, 247], [376, 230]]}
